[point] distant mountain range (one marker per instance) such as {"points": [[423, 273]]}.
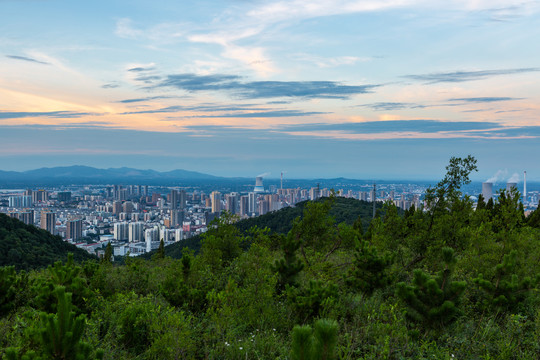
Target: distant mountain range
{"points": [[87, 174]]}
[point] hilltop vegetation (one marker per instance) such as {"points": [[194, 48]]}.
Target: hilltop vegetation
{"points": [[343, 210], [27, 247], [441, 283]]}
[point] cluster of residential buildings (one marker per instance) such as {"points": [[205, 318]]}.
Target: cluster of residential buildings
{"points": [[135, 218]]}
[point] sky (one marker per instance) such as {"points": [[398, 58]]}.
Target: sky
{"points": [[371, 89]]}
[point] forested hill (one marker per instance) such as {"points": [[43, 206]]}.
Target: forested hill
{"points": [[27, 247], [345, 210]]}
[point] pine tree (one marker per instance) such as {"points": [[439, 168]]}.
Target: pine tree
{"points": [[161, 250], [318, 344], [302, 343], [61, 332], [481, 203], [66, 275], [8, 289], [290, 265], [312, 300], [433, 300], [58, 335], [534, 218], [370, 270], [325, 339], [108, 256], [504, 290]]}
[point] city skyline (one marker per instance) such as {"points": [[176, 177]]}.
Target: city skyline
{"points": [[356, 89]]}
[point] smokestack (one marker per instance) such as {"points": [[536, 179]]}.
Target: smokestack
{"points": [[374, 199], [524, 187], [487, 191]]}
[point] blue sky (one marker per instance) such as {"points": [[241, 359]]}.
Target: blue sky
{"points": [[362, 89]]}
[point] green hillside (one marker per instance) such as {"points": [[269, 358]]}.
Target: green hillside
{"points": [[27, 247], [451, 281], [344, 210]]}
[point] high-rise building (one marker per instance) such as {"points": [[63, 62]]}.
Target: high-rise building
{"points": [[264, 206], [136, 231], [216, 201], [26, 217], [275, 203], [121, 231], [232, 202], [64, 196], [48, 221], [127, 207], [174, 199], [151, 236], [183, 199], [252, 203], [244, 205], [40, 195], [165, 234], [178, 234], [117, 207], [74, 229], [123, 195], [20, 201], [176, 218], [314, 193]]}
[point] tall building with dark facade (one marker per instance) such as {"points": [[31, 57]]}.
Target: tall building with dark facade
{"points": [[48, 221], [74, 229]]}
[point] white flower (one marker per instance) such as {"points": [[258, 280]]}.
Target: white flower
{"points": [[241, 348]]}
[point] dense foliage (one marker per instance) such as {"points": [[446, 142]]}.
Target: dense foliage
{"points": [[346, 210], [27, 247], [443, 282]]}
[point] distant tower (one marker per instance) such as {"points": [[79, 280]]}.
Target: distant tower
{"points": [[281, 187], [487, 191], [374, 199], [259, 188], [524, 187]]}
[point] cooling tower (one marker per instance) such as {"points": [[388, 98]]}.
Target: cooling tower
{"points": [[509, 186], [487, 191], [259, 185]]}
